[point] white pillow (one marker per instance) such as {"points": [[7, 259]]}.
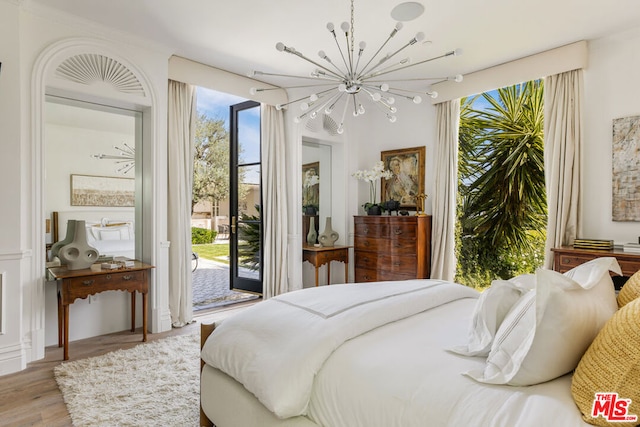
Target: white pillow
{"points": [[548, 330], [110, 234], [490, 310]]}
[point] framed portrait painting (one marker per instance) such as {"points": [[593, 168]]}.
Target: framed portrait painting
{"points": [[311, 186], [407, 167]]}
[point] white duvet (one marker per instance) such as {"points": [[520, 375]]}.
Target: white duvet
{"points": [[276, 348]]}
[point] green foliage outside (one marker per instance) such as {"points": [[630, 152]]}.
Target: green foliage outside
{"points": [[202, 235], [213, 251], [502, 208], [249, 241], [211, 161]]}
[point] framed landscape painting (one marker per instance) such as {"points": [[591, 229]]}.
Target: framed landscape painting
{"points": [[311, 185], [89, 190], [407, 166]]}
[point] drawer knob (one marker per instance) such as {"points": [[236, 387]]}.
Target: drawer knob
{"points": [[366, 230], [127, 277], [397, 231], [365, 243], [87, 282]]}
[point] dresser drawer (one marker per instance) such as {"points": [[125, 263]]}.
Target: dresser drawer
{"points": [[366, 275], [365, 229], [402, 231], [393, 264], [375, 244], [82, 287]]}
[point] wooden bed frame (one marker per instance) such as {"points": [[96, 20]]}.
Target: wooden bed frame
{"points": [[205, 331]]}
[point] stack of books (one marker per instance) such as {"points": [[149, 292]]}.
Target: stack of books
{"points": [[605, 245], [631, 247]]}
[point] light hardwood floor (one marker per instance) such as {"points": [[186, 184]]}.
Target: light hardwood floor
{"points": [[32, 398]]}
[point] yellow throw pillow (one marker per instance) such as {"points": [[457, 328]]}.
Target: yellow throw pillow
{"points": [[630, 290], [611, 365]]}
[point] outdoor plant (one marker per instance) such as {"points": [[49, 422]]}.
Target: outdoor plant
{"points": [[201, 236], [372, 176]]}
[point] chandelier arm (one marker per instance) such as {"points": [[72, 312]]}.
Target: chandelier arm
{"points": [[418, 79], [335, 38], [397, 64], [344, 112], [349, 53], [371, 72], [302, 56], [317, 110], [296, 77], [418, 63], [320, 94], [364, 69]]}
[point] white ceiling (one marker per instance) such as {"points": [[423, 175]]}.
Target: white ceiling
{"points": [[240, 35]]}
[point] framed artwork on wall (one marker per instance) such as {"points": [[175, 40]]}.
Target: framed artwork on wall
{"points": [[626, 163], [407, 182], [311, 187], [89, 190]]}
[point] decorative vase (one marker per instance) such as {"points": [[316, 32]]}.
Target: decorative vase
{"points": [[310, 210], [71, 229], [312, 235], [374, 210], [78, 254], [329, 236]]}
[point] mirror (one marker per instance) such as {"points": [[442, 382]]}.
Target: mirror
{"points": [[328, 159]]}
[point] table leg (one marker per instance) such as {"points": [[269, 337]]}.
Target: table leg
{"points": [[317, 275], [60, 314], [66, 331], [133, 311], [144, 317], [329, 273], [346, 272]]}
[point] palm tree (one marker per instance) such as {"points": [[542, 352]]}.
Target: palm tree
{"points": [[501, 172]]}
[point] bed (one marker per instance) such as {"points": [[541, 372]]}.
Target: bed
{"points": [[111, 232], [402, 353]]}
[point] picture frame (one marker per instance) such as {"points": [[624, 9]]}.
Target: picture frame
{"points": [[407, 166], [311, 193], [625, 185], [90, 190]]}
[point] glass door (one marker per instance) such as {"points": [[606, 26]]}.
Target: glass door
{"points": [[246, 237]]}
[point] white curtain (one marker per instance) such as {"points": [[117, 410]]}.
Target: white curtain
{"points": [[180, 135], [563, 95], [443, 258], [274, 203]]}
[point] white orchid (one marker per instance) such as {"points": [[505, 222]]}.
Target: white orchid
{"points": [[312, 180], [371, 176]]}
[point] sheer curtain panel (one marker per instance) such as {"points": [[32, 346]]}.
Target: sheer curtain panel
{"points": [[563, 95], [443, 259], [180, 129], [274, 203]]}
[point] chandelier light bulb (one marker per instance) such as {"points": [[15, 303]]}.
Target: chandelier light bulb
{"points": [[363, 45], [253, 91], [340, 130], [322, 55], [376, 96], [280, 46], [384, 87], [313, 115], [313, 97], [458, 78], [391, 100], [328, 110], [457, 52], [418, 38], [304, 106], [330, 26], [342, 87], [314, 73], [361, 109], [296, 119], [345, 27], [433, 94], [393, 110], [279, 107], [251, 73], [391, 118], [355, 114], [417, 99]]}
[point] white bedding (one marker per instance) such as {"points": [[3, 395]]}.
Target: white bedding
{"points": [[276, 348], [396, 374]]}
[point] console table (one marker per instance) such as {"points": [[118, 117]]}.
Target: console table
{"points": [[73, 284], [318, 256], [566, 257]]}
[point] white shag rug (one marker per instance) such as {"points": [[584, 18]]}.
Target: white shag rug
{"points": [[153, 384]]}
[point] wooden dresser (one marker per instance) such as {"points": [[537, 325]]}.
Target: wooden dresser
{"points": [[565, 258], [392, 247]]}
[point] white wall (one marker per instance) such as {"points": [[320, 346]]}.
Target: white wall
{"points": [[612, 90], [24, 35]]}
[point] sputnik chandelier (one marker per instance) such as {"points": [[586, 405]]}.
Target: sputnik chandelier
{"points": [[351, 82], [125, 159]]}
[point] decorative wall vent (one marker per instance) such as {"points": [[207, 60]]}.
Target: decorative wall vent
{"points": [[89, 68], [327, 123]]}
